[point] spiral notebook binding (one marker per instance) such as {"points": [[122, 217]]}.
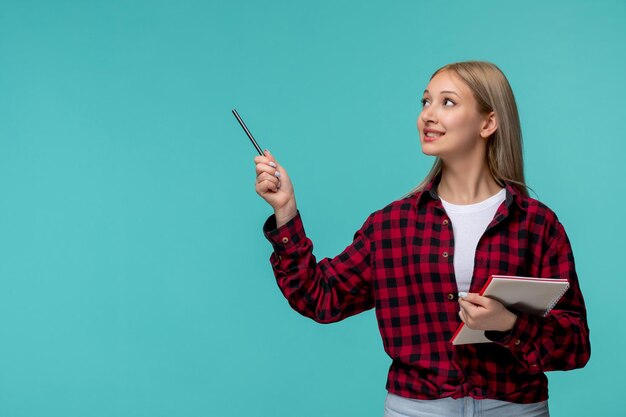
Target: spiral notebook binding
{"points": [[556, 300]]}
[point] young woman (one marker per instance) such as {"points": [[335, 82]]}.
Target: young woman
{"points": [[470, 218]]}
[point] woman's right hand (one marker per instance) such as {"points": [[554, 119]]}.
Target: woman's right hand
{"points": [[275, 187]]}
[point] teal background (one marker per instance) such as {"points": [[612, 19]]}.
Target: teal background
{"points": [[134, 277]]}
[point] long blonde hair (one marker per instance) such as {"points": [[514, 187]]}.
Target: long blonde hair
{"points": [[493, 92]]}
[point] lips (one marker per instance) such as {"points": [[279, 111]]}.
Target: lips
{"points": [[431, 135]]}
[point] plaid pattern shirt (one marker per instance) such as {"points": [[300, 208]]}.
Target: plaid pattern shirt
{"points": [[401, 263]]}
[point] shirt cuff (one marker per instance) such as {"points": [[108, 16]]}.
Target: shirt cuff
{"points": [[519, 337], [287, 238]]}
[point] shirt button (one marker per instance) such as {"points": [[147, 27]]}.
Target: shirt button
{"points": [[446, 221], [445, 254], [285, 239], [450, 296]]}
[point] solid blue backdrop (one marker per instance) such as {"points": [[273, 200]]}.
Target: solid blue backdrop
{"points": [[134, 277]]}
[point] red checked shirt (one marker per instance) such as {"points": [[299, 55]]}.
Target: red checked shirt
{"points": [[401, 263]]}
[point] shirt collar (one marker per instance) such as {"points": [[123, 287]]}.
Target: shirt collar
{"points": [[429, 192]]}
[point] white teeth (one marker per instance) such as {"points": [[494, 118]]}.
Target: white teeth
{"points": [[433, 134]]}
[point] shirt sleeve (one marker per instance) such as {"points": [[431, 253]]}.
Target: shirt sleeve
{"points": [[325, 291], [559, 341]]}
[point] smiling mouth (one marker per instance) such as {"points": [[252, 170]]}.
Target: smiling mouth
{"points": [[432, 136]]}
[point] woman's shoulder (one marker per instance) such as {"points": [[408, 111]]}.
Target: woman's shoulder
{"points": [[540, 217], [537, 208], [406, 203], [396, 211]]}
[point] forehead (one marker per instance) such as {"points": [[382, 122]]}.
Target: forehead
{"points": [[448, 81]]}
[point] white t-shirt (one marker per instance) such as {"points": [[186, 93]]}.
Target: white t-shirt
{"points": [[468, 225]]}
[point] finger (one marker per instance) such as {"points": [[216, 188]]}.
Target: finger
{"points": [[264, 176], [468, 308], [262, 160], [464, 303], [266, 186], [474, 299], [261, 168], [271, 158]]}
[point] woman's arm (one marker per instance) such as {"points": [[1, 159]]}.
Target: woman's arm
{"points": [[327, 291], [330, 290], [559, 341]]}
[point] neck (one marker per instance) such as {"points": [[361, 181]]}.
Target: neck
{"points": [[466, 183]]}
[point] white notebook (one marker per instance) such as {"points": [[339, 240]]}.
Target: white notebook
{"points": [[524, 294]]}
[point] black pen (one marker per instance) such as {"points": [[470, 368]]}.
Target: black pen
{"points": [[243, 126]]}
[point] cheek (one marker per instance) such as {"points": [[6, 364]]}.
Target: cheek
{"points": [[461, 124], [454, 121]]}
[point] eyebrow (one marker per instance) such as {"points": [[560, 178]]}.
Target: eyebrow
{"points": [[445, 91]]}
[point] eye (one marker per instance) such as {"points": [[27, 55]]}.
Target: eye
{"points": [[425, 102], [448, 103]]}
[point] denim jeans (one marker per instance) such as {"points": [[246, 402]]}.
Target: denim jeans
{"points": [[396, 406]]}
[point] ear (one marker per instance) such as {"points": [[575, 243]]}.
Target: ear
{"points": [[489, 126]]}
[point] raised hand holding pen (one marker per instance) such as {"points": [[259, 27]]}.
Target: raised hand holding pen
{"points": [[275, 187], [272, 182]]}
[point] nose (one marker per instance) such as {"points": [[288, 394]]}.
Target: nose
{"points": [[428, 114]]}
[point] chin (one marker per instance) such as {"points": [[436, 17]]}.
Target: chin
{"points": [[428, 149]]}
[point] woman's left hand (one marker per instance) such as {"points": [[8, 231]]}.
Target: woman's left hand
{"points": [[484, 313]]}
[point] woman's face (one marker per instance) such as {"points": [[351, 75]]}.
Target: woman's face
{"points": [[450, 125]]}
